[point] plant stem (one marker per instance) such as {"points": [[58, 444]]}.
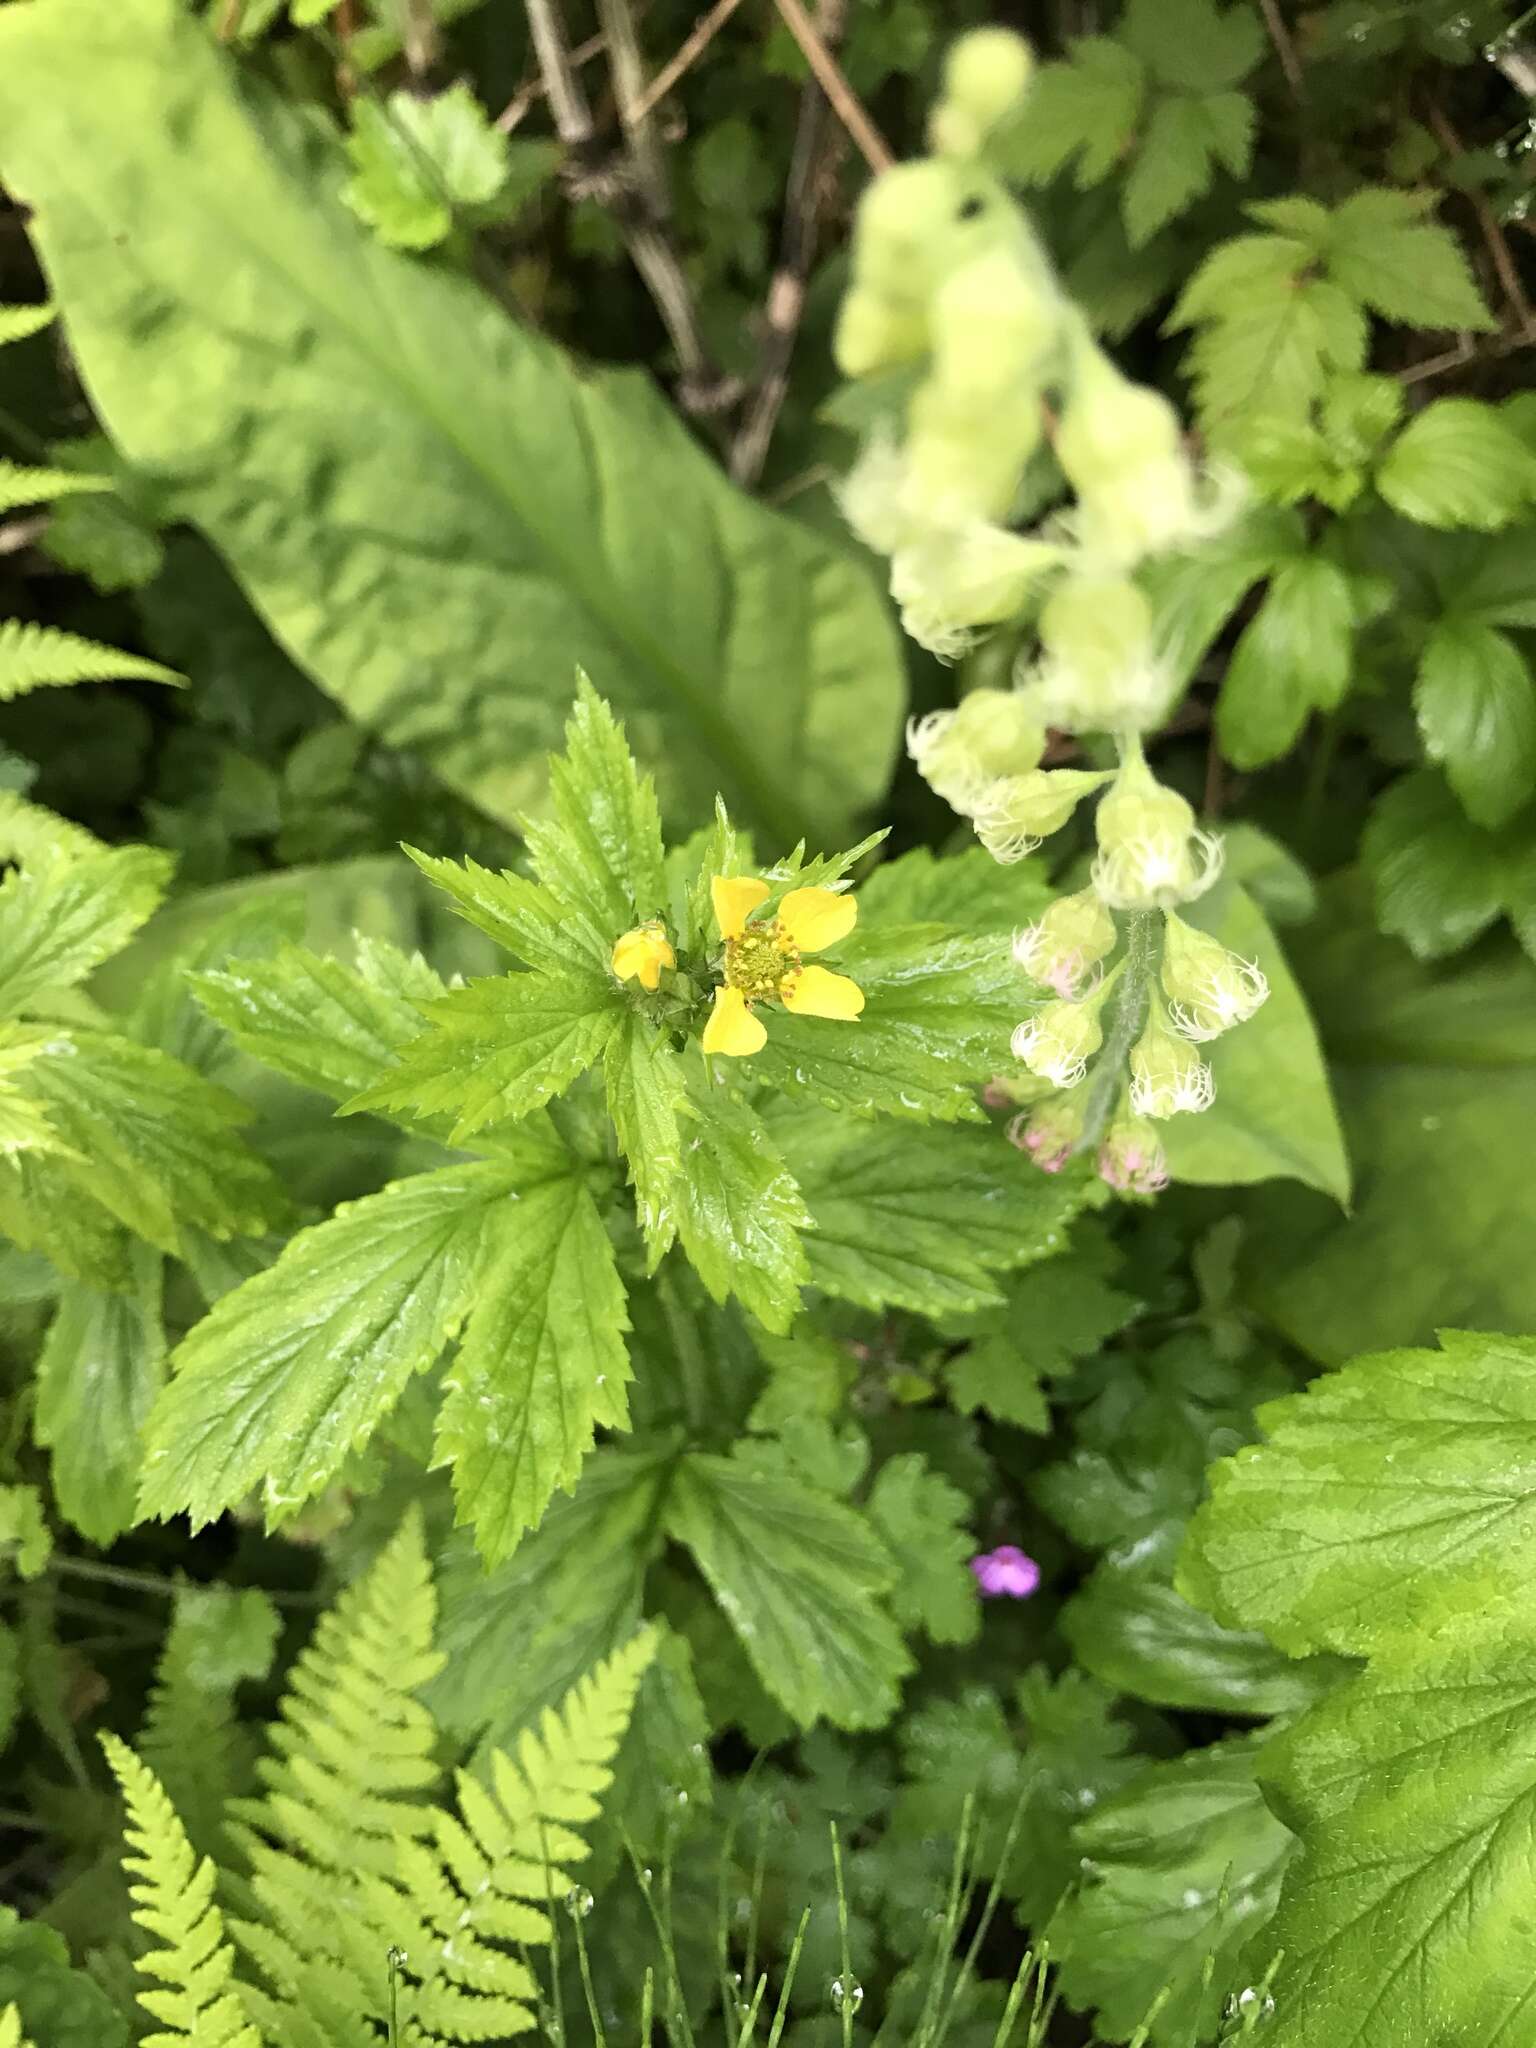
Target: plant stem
{"points": [[1143, 950]]}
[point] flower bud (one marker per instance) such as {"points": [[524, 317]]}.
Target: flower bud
{"points": [[1049, 1131], [1058, 1041], [1167, 1075], [1151, 854], [1064, 945], [954, 579], [1131, 1158], [1018, 812], [986, 76], [1100, 670], [960, 753], [872, 496], [1208, 988]]}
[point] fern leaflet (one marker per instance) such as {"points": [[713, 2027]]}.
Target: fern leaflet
{"points": [[173, 1901], [37, 657]]}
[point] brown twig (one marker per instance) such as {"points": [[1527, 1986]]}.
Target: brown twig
{"points": [[702, 34], [227, 27], [1285, 48], [1493, 234], [618, 183], [870, 142], [626, 66], [813, 166], [532, 89]]}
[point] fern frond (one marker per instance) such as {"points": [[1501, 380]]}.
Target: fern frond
{"points": [[22, 486], [173, 1902], [11, 2035], [36, 657], [17, 322], [484, 1880]]}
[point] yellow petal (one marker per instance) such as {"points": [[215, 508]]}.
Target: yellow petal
{"points": [[735, 897], [640, 955], [818, 992], [817, 918], [732, 1029]]}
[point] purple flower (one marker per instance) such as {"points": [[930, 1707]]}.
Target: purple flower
{"points": [[1005, 1573]]}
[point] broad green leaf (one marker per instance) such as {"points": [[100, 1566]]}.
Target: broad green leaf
{"points": [[740, 1212], [542, 1362], [157, 1144], [1371, 1490], [1181, 1867], [940, 1006], [1193, 45], [647, 1096], [57, 2005], [1176, 162], [601, 854], [498, 1049], [801, 1578], [1438, 880], [1086, 108], [468, 517], [518, 914], [1195, 593], [918, 1219], [1383, 252], [317, 1021], [1059, 1309], [921, 1520], [1458, 464], [1293, 658], [45, 1206], [518, 1636], [1274, 1114], [101, 1365], [1476, 706], [293, 1370], [969, 890], [1436, 1080]]}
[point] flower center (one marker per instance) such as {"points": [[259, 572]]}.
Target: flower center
{"points": [[760, 961]]}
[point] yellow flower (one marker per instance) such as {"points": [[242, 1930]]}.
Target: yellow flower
{"points": [[763, 961], [640, 955]]}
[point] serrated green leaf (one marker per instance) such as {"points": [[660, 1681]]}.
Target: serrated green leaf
{"points": [[1182, 1865], [1193, 45], [496, 1050], [1269, 345], [315, 1020], [969, 890], [157, 1144], [647, 1094], [1195, 593], [1476, 706], [921, 1520], [1058, 1310], [291, 1371], [518, 914], [1438, 879], [940, 1006], [1086, 108], [418, 163], [469, 515], [45, 1206], [101, 1365], [1184, 142], [801, 1578], [61, 918], [1457, 464], [1383, 252], [602, 854], [541, 1365], [740, 1212], [1294, 657], [925, 1219], [26, 1542]]}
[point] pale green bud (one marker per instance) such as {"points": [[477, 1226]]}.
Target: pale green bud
{"points": [[961, 753], [1058, 1041], [1100, 670], [952, 581], [1020, 811], [1049, 1132], [1061, 948], [1151, 853], [1131, 1158], [1208, 988], [1167, 1075], [873, 496], [986, 76]]}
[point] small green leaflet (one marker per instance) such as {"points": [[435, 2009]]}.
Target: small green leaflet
{"points": [[420, 164], [1458, 463], [542, 1361], [61, 918], [923, 1219], [1058, 1310], [603, 855], [1476, 706], [1180, 1865], [518, 914], [1294, 657], [740, 1212], [102, 1363], [499, 1049], [801, 1577], [921, 1520], [940, 1005], [26, 1543], [291, 1371]]}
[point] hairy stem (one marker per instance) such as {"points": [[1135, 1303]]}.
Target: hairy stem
{"points": [[1128, 1012]]}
